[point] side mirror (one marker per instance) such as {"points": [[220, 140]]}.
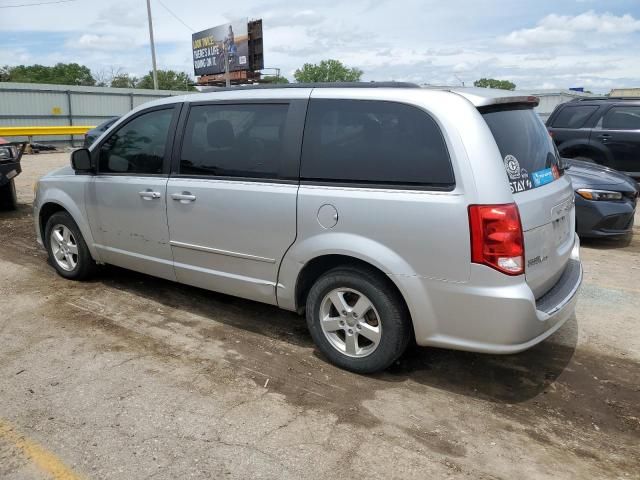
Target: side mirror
{"points": [[81, 161]]}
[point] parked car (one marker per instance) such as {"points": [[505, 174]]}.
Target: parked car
{"points": [[385, 214], [9, 169], [605, 131], [605, 200], [94, 133]]}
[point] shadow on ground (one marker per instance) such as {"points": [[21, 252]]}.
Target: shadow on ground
{"points": [[607, 243], [498, 378]]}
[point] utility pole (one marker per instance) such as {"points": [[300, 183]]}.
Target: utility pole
{"points": [[153, 47], [227, 81]]}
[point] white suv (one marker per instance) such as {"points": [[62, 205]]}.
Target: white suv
{"points": [[385, 212]]}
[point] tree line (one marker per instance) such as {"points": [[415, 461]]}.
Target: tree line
{"points": [[75, 74]]}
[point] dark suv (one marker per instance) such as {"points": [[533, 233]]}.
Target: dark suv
{"points": [[600, 130]]}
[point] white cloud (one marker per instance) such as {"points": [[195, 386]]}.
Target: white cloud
{"points": [[285, 18], [592, 22], [399, 40], [562, 29], [107, 43]]}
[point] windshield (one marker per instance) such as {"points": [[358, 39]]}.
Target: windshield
{"points": [[529, 155]]}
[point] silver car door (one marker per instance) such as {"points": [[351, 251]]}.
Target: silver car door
{"points": [[126, 200], [231, 203]]}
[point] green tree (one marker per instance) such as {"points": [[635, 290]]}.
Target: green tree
{"points": [[274, 79], [327, 71], [60, 74], [124, 80], [493, 83], [5, 73], [167, 80]]}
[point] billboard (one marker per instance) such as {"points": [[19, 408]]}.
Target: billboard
{"points": [[209, 46]]}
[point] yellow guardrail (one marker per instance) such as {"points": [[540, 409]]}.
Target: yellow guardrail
{"points": [[35, 131]]}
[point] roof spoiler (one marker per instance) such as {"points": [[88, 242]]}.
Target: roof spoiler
{"points": [[486, 97], [533, 100]]}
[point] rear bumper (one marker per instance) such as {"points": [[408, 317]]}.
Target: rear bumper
{"points": [[490, 313]]}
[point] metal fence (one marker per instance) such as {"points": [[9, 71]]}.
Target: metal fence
{"points": [[33, 104]]}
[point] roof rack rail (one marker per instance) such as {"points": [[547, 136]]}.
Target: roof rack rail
{"points": [[603, 97], [259, 86]]}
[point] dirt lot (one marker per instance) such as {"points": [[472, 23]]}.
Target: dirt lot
{"points": [[131, 377]]}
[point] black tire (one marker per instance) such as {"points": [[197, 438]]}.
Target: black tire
{"points": [[8, 196], [394, 317], [85, 265]]}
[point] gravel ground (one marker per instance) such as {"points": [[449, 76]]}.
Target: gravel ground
{"points": [[128, 376]]}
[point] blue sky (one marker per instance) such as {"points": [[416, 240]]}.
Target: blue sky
{"points": [[535, 44]]}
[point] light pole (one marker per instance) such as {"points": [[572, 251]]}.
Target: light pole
{"points": [[153, 48]]}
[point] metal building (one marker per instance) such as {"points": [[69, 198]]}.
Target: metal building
{"points": [[625, 92], [35, 104]]}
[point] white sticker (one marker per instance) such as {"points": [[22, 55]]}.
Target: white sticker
{"points": [[512, 166], [519, 180]]}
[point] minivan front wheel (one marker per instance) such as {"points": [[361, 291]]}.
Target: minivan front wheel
{"points": [[67, 249], [357, 319]]}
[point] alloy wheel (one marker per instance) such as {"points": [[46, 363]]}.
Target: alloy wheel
{"points": [[350, 322], [64, 247]]}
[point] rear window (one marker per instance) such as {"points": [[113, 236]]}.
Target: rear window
{"points": [[573, 117], [529, 155], [374, 142]]}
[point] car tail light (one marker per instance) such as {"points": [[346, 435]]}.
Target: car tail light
{"points": [[496, 237]]}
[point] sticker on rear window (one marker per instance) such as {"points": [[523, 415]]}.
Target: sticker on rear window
{"points": [[519, 180], [542, 177]]}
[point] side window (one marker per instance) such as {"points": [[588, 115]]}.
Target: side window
{"points": [[363, 141], [622, 118], [234, 140], [573, 117], [139, 146]]}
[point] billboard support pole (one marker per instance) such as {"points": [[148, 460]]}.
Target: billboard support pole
{"points": [[153, 48], [227, 81]]}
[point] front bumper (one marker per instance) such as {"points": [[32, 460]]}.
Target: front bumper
{"points": [[9, 170], [599, 219], [492, 313]]}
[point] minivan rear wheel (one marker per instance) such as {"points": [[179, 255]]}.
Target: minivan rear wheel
{"points": [[357, 319]]}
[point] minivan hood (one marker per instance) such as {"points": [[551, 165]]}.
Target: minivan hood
{"points": [[591, 174], [61, 172]]}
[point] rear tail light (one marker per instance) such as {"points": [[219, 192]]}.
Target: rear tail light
{"points": [[496, 237]]}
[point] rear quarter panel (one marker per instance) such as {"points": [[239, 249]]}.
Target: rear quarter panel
{"points": [[405, 233]]}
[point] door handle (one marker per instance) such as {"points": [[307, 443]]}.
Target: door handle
{"points": [[184, 197], [604, 136], [149, 194]]}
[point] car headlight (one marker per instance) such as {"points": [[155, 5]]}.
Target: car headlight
{"points": [[5, 153], [591, 194]]}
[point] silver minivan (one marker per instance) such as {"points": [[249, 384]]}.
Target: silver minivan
{"points": [[386, 213]]}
